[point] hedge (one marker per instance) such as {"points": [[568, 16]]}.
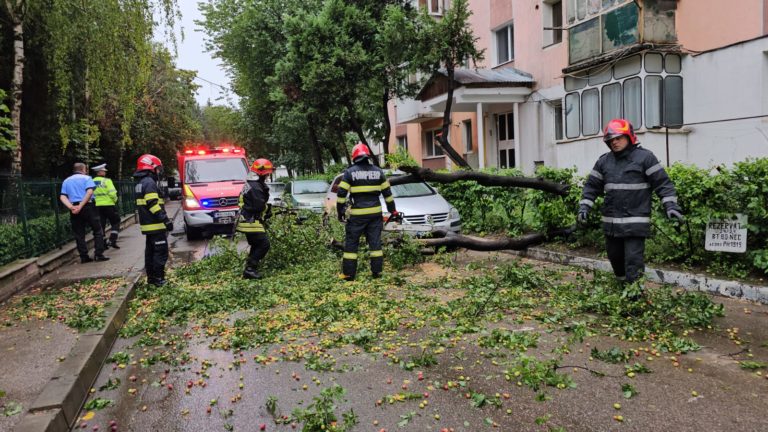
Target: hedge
{"points": [[703, 194], [42, 237]]}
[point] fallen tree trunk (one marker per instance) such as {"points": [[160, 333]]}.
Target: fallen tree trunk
{"points": [[418, 174], [449, 239], [482, 244]]}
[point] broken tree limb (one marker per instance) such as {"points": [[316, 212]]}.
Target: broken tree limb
{"points": [[418, 174], [482, 244]]}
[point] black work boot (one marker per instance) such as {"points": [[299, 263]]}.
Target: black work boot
{"points": [[251, 273]]}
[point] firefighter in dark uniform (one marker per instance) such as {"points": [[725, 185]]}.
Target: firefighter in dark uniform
{"points": [[106, 204], [628, 174], [153, 219], [361, 186], [254, 211]]}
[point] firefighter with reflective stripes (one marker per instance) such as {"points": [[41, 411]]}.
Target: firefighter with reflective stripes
{"points": [[106, 204], [361, 186], [254, 211], [628, 174], [153, 220]]}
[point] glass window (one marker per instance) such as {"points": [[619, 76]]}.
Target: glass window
{"points": [[215, 170], [558, 114], [570, 11], [611, 107], [633, 101], [501, 125], [572, 115], [303, 187], [510, 126], [653, 62], [673, 101], [593, 7], [505, 50], [590, 108], [672, 63], [619, 27], [503, 158], [574, 83], [402, 141], [652, 101], [412, 190], [431, 148], [581, 9], [608, 3], [435, 7], [627, 67], [600, 75], [468, 136], [584, 40], [557, 22]]}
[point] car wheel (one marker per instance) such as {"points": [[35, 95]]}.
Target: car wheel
{"points": [[193, 233]]}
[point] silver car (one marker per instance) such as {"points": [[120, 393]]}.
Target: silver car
{"points": [[306, 194], [423, 208], [276, 190]]}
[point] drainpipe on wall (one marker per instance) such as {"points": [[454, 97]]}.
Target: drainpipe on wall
{"points": [[480, 137]]}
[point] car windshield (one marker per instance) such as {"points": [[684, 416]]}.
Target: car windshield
{"points": [[411, 190], [215, 170], [276, 188], [309, 187]]}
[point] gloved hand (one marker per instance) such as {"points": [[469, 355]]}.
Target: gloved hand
{"points": [[396, 216], [168, 225], [675, 214], [581, 217], [342, 217]]}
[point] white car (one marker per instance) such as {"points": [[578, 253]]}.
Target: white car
{"points": [[423, 208], [276, 190]]}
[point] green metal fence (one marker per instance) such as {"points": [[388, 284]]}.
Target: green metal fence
{"points": [[32, 219]]}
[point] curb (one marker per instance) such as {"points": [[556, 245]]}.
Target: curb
{"points": [[689, 281], [57, 406]]}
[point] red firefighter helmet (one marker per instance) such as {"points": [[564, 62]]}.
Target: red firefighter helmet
{"points": [[148, 162], [359, 151], [618, 127], [262, 167]]}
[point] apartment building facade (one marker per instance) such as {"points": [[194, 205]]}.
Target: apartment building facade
{"points": [[691, 75]]}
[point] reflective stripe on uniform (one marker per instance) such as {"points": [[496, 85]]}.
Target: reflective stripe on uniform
{"points": [[669, 199], [247, 227], [596, 175], [344, 185], [155, 208], [151, 195], [385, 184], [363, 189], [341, 200], [627, 186], [627, 220], [365, 211], [140, 201], [389, 199], [350, 255], [377, 253], [152, 227], [587, 202], [652, 169]]}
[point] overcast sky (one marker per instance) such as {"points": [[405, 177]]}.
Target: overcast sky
{"points": [[192, 55]]}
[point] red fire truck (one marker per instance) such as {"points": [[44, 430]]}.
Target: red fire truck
{"points": [[211, 180]]}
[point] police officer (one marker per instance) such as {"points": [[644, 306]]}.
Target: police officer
{"points": [[254, 210], [627, 175], [106, 204], [153, 220], [364, 183], [77, 196]]}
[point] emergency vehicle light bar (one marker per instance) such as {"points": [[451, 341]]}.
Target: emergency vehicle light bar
{"points": [[202, 152]]}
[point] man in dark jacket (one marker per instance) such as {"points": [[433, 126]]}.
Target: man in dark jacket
{"points": [[153, 220], [627, 174], [254, 210], [364, 183]]}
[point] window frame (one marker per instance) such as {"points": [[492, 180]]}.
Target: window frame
{"points": [[553, 37], [467, 132], [402, 141], [510, 36], [426, 145]]}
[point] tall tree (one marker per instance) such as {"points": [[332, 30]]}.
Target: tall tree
{"points": [[450, 43], [17, 12]]}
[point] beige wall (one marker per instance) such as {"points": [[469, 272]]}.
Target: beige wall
{"points": [[706, 24], [544, 63]]}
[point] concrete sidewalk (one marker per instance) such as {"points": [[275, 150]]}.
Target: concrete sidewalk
{"points": [[38, 351]]}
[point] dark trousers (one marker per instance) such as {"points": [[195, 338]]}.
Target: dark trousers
{"points": [[259, 243], [371, 226], [88, 217], [626, 256], [156, 255], [109, 213]]}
